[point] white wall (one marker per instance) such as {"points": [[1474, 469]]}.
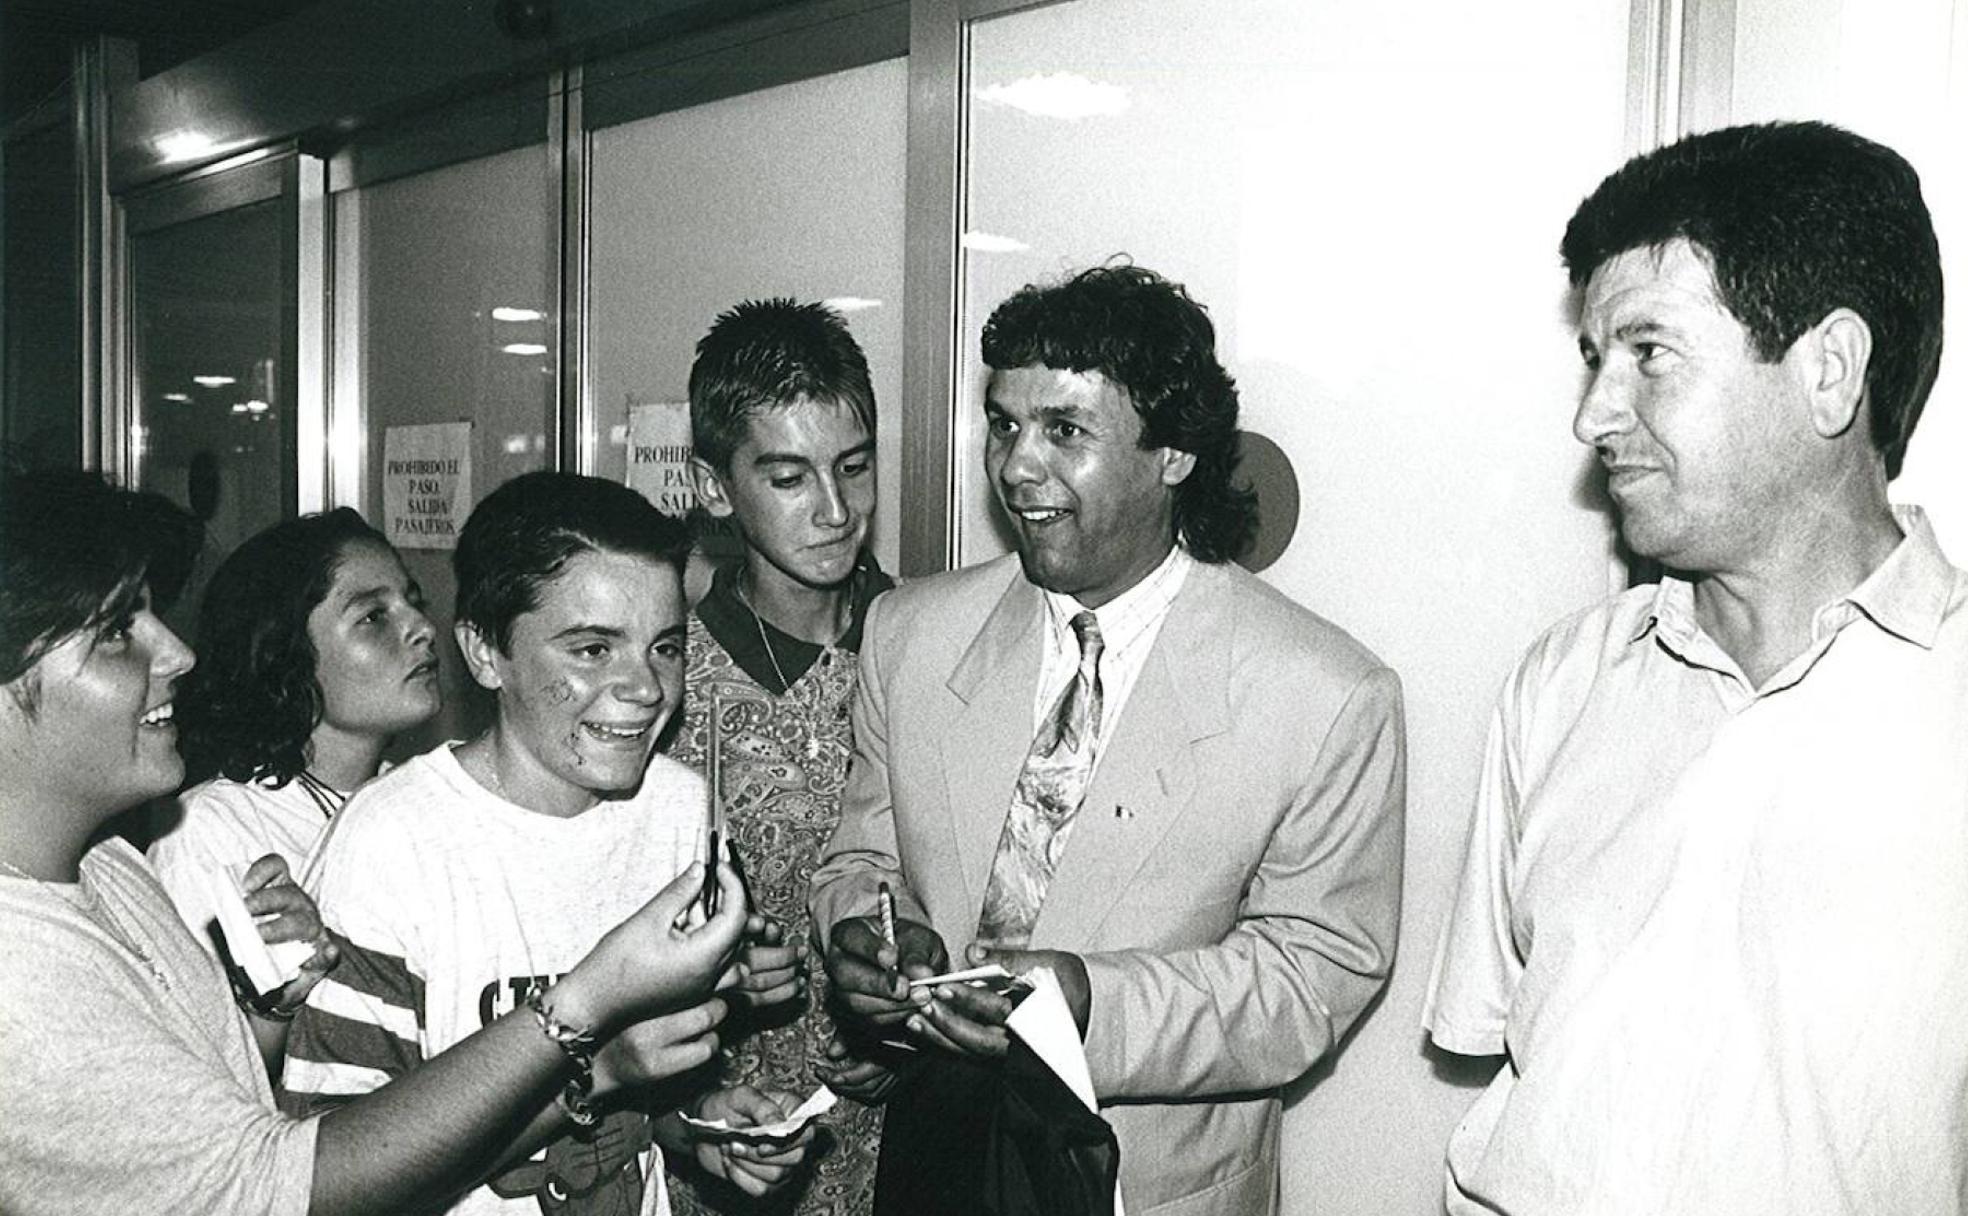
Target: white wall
{"points": [[1895, 71], [1369, 199]]}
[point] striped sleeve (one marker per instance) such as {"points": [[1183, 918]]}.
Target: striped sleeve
{"points": [[361, 1027]]}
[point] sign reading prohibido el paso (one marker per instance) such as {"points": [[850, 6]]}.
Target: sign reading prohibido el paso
{"points": [[659, 455], [426, 484]]}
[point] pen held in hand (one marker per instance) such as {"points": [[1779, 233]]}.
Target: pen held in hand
{"points": [[709, 896], [887, 899]]}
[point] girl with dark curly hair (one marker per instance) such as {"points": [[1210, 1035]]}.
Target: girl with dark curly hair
{"points": [[313, 652]]}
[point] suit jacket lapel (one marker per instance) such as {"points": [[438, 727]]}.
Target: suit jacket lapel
{"points": [[1147, 776], [984, 746]]}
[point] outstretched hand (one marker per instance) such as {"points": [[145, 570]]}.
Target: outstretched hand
{"points": [[664, 956], [769, 971]]}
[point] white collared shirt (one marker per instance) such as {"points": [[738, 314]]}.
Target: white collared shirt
{"points": [[1129, 625], [1718, 927]]}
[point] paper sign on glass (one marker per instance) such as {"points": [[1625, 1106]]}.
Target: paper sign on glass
{"points": [[426, 484], [659, 455]]}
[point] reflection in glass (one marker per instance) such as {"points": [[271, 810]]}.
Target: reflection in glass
{"points": [[444, 285], [215, 430], [759, 195]]}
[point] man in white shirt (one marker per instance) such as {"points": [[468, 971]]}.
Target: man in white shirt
{"points": [[1204, 780], [1713, 905]]}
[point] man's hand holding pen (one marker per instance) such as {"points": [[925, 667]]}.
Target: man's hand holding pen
{"points": [[871, 975]]}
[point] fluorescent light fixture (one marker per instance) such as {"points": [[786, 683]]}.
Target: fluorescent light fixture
{"points": [[503, 313], [175, 146], [239, 407], [178, 397], [1057, 95], [214, 381], [257, 407], [851, 303], [524, 348], [991, 242]]}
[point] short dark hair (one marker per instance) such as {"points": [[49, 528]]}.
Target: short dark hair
{"points": [[519, 537], [1147, 336], [1794, 219], [248, 709], [767, 354], [75, 554]]}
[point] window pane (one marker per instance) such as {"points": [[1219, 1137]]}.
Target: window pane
{"points": [[789, 191], [445, 293], [215, 429]]}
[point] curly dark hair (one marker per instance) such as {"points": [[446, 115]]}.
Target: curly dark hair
{"points": [[248, 709], [1795, 219], [516, 541], [767, 354], [1147, 336]]}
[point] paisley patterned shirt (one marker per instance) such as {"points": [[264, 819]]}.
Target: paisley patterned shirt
{"points": [[783, 763]]}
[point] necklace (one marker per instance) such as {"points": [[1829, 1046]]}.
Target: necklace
{"points": [[326, 797], [97, 912], [785, 685], [758, 622]]}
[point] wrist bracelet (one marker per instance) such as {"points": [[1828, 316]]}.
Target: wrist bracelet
{"points": [[576, 1097], [270, 1008]]}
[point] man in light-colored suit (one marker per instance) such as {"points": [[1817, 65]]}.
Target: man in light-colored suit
{"points": [[1229, 899]]}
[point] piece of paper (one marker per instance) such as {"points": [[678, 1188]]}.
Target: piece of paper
{"points": [[659, 455], [1045, 1024], [426, 484], [990, 975], [820, 1103], [268, 967]]}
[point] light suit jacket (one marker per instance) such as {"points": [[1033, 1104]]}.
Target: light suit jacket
{"points": [[1233, 878]]}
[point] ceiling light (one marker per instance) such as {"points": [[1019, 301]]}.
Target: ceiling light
{"points": [[991, 242], [175, 146], [1057, 95]]}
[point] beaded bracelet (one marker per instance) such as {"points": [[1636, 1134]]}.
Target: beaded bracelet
{"points": [[576, 1097]]}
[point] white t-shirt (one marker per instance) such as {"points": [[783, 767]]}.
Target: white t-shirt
{"points": [[227, 823], [455, 900]]}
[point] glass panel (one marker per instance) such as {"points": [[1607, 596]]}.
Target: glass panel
{"points": [[214, 423], [41, 411], [790, 191], [445, 290]]}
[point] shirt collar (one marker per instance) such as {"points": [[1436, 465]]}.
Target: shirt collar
{"points": [[1124, 617], [1907, 595], [729, 620]]}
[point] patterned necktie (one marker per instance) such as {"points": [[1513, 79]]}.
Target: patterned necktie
{"points": [[1050, 789]]}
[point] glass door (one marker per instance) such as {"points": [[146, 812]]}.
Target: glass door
{"points": [[212, 333]]}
